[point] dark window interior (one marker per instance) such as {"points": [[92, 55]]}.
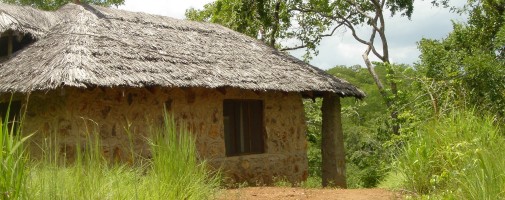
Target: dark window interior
{"points": [[19, 41], [14, 113], [243, 127]]}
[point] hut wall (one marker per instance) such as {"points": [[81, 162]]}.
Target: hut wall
{"points": [[65, 117]]}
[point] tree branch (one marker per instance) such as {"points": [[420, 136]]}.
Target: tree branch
{"points": [[362, 12], [320, 36], [293, 48], [343, 20], [379, 8]]}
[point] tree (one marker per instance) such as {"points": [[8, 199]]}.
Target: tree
{"points": [[55, 4], [263, 19], [351, 13], [470, 62]]}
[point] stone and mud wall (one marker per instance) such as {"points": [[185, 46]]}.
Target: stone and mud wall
{"points": [[68, 116]]}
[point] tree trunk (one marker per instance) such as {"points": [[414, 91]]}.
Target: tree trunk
{"points": [[380, 86], [332, 147], [375, 77], [275, 26]]}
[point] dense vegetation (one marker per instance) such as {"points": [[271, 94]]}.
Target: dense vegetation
{"points": [[451, 112], [458, 156]]}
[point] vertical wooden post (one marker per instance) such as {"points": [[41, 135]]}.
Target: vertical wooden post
{"points": [[332, 146], [10, 44]]}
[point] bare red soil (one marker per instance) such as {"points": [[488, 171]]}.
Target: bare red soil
{"points": [[279, 193]]}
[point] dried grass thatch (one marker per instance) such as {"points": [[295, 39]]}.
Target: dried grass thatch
{"points": [[88, 46]]}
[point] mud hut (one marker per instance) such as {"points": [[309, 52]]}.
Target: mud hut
{"points": [[87, 67]]}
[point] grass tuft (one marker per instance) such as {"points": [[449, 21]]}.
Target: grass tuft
{"points": [[460, 156], [13, 159]]}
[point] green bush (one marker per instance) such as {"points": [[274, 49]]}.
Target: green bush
{"points": [[458, 156]]}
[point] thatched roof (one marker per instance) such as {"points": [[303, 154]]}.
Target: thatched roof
{"points": [[89, 46]]}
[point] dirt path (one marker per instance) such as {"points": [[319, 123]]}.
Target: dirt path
{"points": [[279, 193]]}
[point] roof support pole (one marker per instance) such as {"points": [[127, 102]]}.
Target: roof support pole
{"points": [[10, 40], [332, 145]]}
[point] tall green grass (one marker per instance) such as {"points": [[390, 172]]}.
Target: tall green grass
{"points": [[88, 176], [459, 156], [173, 172], [12, 160]]}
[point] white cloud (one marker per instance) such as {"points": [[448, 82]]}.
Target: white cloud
{"points": [[404, 54]]}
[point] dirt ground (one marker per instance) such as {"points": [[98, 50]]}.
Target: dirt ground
{"points": [[279, 193]]}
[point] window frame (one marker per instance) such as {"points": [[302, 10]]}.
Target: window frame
{"points": [[244, 126]]}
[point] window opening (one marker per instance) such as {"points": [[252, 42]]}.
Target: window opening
{"points": [[243, 127]]}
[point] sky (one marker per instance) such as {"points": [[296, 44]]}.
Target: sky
{"points": [[341, 49]]}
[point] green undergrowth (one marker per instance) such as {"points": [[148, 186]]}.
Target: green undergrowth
{"points": [[459, 156], [173, 172], [13, 160]]}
